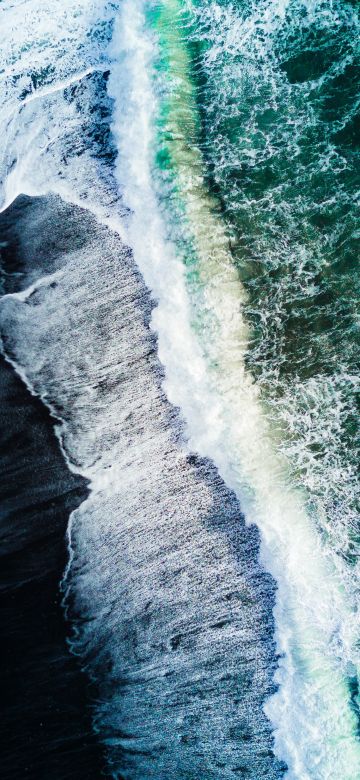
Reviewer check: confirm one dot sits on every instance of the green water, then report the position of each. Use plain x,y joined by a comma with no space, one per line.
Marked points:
255,164
278,91
272,107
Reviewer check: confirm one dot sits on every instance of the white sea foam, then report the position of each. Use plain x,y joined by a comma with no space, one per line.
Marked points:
47,50
317,626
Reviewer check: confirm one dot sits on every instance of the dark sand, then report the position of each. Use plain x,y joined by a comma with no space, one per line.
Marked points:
46,729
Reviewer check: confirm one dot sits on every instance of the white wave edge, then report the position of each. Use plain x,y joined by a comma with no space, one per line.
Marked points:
58,427
314,728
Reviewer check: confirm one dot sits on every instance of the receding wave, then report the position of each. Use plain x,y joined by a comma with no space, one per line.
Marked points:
172,610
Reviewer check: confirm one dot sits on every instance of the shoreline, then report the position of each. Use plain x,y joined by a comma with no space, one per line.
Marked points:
136,601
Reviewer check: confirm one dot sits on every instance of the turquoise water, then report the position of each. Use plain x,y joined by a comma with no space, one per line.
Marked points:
278,90
255,168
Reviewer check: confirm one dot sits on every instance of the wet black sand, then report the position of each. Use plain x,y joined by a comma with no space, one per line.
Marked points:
46,701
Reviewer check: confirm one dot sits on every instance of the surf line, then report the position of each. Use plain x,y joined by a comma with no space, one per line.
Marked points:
182,249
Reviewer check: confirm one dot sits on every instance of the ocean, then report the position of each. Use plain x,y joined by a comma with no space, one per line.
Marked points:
180,289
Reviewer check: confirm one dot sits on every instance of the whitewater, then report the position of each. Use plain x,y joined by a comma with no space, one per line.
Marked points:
139,384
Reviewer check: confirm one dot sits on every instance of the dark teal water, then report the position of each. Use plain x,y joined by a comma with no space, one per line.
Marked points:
278,90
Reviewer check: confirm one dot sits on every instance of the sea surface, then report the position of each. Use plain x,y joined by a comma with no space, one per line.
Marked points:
180,289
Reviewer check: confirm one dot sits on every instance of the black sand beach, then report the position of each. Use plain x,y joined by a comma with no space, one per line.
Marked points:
46,727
